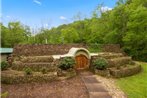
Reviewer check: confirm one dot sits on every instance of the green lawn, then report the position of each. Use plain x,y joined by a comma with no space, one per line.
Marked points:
135,86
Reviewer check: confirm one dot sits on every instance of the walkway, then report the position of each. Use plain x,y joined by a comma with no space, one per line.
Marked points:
94,87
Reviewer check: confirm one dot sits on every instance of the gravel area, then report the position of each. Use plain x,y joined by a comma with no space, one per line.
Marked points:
70,88
112,88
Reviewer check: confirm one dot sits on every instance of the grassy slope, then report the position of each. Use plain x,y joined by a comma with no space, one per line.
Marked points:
135,86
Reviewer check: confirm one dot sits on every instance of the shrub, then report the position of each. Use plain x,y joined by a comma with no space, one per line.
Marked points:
4,65
28,71
44,70
100,63
66,63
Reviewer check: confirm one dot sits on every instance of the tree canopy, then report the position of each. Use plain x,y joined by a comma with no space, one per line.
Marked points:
125,24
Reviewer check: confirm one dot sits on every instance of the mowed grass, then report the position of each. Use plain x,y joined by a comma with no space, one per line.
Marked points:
135,86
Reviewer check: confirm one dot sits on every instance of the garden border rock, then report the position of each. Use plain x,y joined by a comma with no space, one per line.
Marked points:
18,78
126,71
105,72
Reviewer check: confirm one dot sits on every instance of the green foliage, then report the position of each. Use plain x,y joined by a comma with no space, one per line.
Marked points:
125,24
100,63
4,65
28,71
44,70
66,63
69,35
15,33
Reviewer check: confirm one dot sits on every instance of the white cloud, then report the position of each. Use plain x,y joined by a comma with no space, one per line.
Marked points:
105,8
37,2
62,18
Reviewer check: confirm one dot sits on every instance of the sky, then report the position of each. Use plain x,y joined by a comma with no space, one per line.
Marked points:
49,13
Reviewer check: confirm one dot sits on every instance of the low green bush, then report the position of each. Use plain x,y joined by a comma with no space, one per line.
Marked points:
100,63
66,63
4,65
44,70
28,71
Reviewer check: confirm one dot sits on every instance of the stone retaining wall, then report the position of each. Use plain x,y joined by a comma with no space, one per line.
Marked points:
44,49
112,48
17,79
57,49
50,67
124,72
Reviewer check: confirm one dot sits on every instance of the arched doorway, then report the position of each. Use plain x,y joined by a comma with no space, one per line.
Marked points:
82,57
81,62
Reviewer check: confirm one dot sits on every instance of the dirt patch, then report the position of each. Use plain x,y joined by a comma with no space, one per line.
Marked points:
70,88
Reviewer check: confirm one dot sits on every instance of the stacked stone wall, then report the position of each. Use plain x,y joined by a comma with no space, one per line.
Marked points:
44,49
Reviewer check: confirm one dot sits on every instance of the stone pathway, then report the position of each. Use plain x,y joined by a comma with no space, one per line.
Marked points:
111,86
94,87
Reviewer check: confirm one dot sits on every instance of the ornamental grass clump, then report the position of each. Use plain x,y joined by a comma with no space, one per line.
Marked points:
66,63
100,63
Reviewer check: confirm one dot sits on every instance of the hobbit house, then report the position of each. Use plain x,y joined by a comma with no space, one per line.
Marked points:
49,55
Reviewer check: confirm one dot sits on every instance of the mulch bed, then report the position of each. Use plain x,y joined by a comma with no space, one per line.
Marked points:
70,88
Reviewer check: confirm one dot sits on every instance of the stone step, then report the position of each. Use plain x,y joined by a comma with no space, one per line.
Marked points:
119,61
99,95
85,73
89,79
95,87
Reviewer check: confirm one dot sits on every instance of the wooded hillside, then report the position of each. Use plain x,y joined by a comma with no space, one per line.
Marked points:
126,24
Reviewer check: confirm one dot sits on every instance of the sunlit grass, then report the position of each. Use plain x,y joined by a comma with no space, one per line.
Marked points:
135,86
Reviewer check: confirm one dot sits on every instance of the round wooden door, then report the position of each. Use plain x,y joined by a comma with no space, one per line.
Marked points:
81,61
